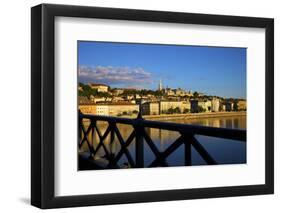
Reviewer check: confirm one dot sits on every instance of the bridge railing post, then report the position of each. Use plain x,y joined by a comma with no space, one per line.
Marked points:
111,144
139,142
80,120
187,149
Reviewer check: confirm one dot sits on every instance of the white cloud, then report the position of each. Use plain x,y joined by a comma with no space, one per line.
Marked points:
114,75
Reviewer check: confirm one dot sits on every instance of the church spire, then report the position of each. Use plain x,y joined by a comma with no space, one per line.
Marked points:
160,85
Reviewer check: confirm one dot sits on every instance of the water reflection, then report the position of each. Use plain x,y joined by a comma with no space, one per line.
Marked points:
224,151
238,122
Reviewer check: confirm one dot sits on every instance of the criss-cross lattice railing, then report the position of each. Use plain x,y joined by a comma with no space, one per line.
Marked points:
140,136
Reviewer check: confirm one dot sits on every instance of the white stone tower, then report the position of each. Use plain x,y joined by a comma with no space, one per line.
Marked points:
160,85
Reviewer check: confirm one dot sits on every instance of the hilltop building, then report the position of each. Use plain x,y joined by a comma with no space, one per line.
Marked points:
118,91
177,92
169,92
99,87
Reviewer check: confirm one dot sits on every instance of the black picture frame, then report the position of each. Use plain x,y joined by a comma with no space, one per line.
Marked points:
43,111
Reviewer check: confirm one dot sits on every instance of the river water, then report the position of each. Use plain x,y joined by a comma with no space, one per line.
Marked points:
224,151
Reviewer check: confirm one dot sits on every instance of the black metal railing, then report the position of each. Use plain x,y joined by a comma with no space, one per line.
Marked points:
139,136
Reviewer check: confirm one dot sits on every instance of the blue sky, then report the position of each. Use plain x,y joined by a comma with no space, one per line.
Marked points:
211,70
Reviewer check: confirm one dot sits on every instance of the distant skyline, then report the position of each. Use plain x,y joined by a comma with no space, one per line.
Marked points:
217,71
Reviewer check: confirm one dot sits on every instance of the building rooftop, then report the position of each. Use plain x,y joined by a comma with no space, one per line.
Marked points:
93,84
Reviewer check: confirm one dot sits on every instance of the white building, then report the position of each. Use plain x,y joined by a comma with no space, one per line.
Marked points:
97,99
114,109
164,106
215,105
99,87
206,105
150,108
118,91
102,109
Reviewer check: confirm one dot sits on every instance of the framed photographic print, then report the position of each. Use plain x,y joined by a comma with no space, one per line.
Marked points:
140,106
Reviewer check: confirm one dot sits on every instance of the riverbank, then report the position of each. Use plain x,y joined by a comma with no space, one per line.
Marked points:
187,116
193,115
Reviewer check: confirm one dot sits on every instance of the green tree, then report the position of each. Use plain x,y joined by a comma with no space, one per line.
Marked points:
104,94
170,111
195,94
201,109
177,110
198,110
186,111
87,91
